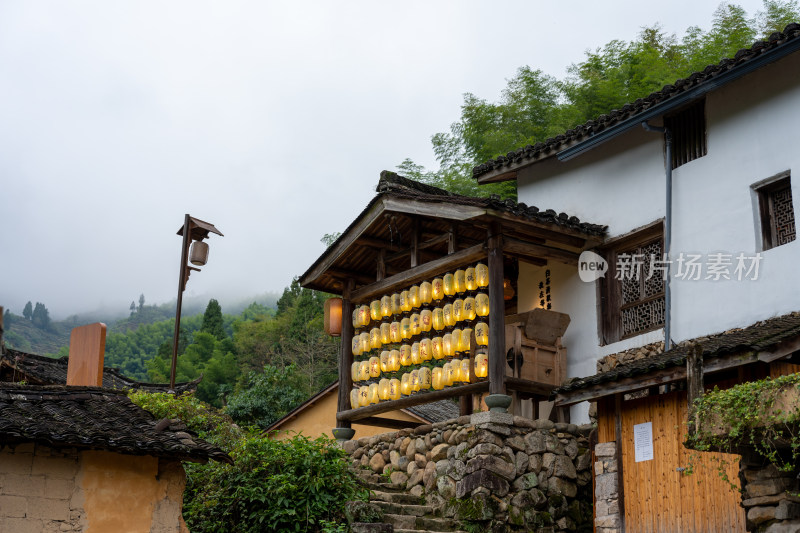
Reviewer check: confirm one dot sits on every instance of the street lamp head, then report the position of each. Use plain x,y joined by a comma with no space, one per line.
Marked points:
199,253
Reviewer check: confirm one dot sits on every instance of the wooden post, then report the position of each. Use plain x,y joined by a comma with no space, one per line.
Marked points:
415,243
451,239
694,383
345,355
497,307
381,265
620,480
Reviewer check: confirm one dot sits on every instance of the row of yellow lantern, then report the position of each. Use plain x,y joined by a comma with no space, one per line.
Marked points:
426,349
436,319
453,372
425,293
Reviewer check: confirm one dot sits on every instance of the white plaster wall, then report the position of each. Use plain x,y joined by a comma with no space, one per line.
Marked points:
751,125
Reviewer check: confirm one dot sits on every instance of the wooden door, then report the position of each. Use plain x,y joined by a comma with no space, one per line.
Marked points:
659,497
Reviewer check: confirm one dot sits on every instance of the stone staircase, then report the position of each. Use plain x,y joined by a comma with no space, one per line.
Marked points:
402,512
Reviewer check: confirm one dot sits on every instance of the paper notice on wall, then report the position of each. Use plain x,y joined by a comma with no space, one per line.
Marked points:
643,441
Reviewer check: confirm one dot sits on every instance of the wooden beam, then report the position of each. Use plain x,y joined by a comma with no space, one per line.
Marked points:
653,379
512,245
420,246
782,349
497,306
345,353
420,273
530,387
433,209
354,415
551,232
388,422
372,242
381,273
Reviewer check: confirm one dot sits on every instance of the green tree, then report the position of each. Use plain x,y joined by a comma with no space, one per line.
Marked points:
212,320
141,302
40,316
27,312
268,396
133,307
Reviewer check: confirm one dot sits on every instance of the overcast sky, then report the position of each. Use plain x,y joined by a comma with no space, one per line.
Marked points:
272,120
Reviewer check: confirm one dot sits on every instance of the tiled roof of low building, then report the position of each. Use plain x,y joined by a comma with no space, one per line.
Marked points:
94,418
756,337
707,76
402,187
438,411
42,370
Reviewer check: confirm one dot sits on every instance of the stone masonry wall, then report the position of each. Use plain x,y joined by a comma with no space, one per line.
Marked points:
37,490
769,497
496,470
606,489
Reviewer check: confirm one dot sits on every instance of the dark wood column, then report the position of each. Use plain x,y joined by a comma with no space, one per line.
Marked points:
345,355
497,326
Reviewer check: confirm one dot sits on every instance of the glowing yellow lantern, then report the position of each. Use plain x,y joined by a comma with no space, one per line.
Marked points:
415,360
394,360
424,350
424,378
470,281
414,380
405,355
374,366
405,328
438,319
413,295
405,301
437,289
482,333
394,332
355,371
448,315
482,304
466,339
426,320
447,374
459,279
481,365
394,389
405,384
456,342
416,325
356,323
449,284
354,399
397,308
375,310
465,370
482,275
458,309
437,350
356,345
364,338
363,371
455,368
363,316
425,293
447,345
437,380
386,306
469,308
385,336
383,389
363,396
385,361
373,393
375,339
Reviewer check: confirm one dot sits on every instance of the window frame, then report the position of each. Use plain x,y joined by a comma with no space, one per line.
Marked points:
689,130
765,192
610,299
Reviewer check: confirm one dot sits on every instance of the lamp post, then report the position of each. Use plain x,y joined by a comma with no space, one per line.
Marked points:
193,232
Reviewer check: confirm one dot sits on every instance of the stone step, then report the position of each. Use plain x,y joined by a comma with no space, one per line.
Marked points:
394,497
419,523
403,508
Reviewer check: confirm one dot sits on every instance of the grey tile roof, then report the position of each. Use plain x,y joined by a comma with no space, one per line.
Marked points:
438,411
37,369
395,185
756,337
94,418
707,77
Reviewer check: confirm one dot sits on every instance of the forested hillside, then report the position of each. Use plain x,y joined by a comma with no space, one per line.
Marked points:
536,106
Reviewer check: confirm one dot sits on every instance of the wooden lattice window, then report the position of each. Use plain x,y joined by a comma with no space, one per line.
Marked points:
777,213
632,293
688,127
